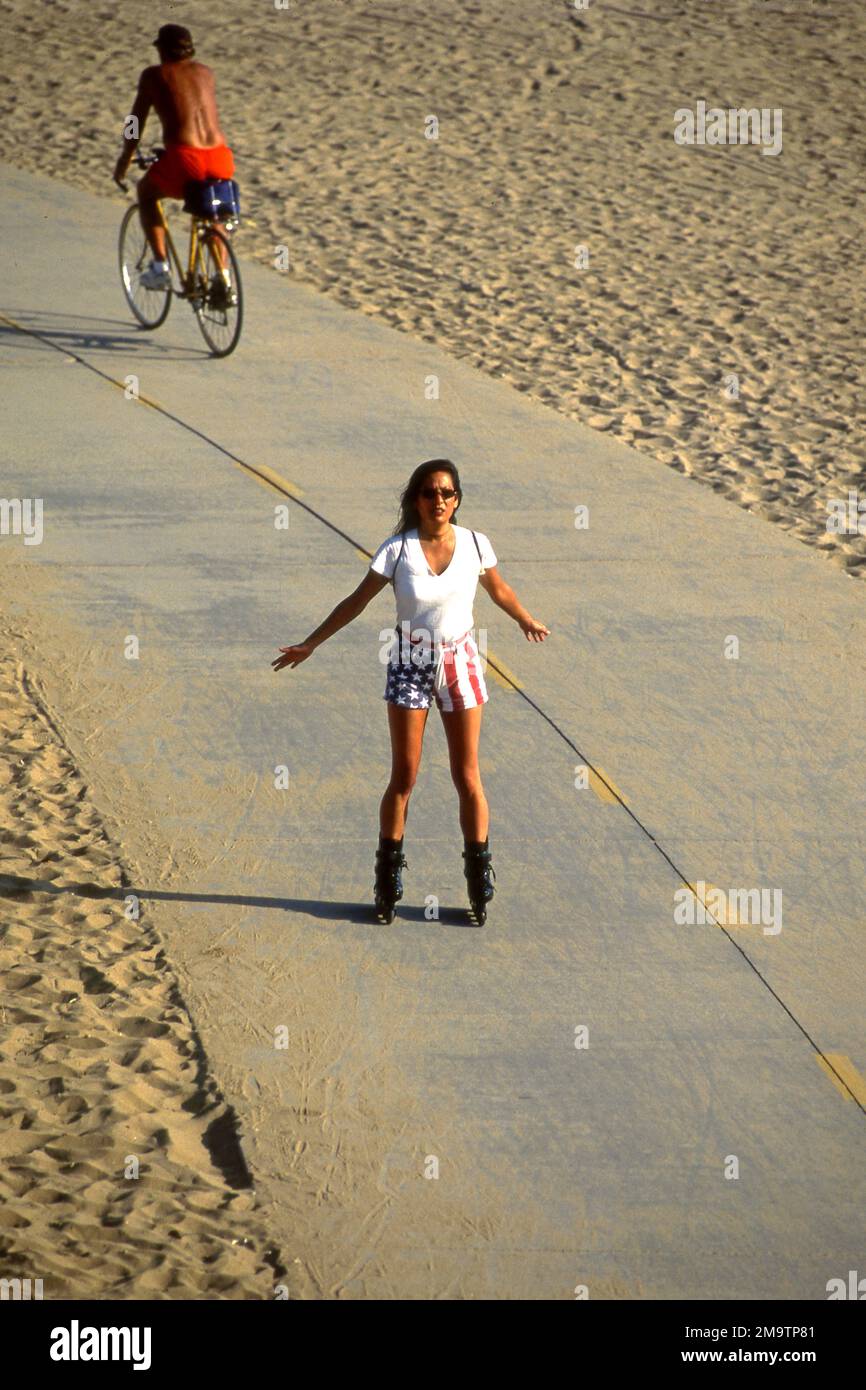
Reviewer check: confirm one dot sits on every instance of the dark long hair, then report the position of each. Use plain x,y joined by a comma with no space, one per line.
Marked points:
408,516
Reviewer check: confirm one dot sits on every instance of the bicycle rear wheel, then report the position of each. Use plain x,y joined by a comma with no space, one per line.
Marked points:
218,304
149,306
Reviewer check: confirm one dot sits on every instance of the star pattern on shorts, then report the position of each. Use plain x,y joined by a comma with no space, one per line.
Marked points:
409,686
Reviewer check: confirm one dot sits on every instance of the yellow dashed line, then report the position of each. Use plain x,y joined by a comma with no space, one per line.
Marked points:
262,482
606,790
138,396
855,1085
269,478
503,677
722,911
719,911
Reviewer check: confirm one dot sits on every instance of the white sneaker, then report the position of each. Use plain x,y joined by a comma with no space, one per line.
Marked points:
156,277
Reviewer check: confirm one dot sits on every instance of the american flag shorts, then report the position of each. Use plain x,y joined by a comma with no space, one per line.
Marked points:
450,673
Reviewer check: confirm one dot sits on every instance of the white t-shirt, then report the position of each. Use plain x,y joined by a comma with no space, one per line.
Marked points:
438,607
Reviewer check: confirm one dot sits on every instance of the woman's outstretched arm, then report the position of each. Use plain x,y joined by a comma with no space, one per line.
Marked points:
346,610
505,598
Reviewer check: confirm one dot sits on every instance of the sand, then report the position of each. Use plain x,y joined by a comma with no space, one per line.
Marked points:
100,1063
555,131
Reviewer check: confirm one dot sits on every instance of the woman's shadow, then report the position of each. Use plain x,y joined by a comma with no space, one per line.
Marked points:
17,886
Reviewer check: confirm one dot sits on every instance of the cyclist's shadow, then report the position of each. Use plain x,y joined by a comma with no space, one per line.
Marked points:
86,333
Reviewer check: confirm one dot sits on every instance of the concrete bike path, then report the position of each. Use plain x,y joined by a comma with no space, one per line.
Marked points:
558,1165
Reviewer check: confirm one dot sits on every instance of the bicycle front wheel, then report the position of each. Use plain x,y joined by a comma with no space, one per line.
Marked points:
219,300
149,306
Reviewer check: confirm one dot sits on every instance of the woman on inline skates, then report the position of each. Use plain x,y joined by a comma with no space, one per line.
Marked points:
435,567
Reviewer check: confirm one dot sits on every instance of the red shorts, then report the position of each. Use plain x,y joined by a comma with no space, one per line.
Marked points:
172,171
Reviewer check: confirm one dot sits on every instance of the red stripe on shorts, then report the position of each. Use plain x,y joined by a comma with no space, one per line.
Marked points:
472,672
454,694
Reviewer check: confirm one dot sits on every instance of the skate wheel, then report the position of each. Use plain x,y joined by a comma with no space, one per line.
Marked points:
384,911
480,912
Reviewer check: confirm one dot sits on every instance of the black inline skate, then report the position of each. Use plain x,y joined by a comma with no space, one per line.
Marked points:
478,870
388,889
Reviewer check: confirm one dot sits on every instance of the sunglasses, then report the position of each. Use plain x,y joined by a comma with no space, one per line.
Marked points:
431,492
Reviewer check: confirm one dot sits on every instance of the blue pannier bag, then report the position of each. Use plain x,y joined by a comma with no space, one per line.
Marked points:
217,199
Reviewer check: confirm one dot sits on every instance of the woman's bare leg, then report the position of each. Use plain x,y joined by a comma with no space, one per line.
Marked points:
463,730
407,736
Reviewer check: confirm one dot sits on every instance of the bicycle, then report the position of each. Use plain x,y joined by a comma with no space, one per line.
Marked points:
216,302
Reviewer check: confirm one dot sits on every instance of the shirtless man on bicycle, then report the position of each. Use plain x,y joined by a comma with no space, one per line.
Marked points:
182,92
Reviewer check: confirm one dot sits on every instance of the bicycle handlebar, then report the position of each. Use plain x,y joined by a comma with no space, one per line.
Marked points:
143,161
